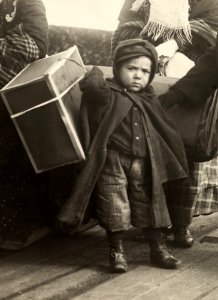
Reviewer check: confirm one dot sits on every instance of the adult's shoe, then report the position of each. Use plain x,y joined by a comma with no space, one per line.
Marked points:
183,237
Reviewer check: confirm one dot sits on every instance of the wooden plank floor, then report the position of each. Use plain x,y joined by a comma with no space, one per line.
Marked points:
61,267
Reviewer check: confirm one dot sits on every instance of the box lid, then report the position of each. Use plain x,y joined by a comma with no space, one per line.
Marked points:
38,69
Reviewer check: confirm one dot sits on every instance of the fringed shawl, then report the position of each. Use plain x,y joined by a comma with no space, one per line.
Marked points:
167,19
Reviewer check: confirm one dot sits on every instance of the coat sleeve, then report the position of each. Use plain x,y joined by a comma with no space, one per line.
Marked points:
95,88
94,103
198,84
126,14
202,79
206,10
33,18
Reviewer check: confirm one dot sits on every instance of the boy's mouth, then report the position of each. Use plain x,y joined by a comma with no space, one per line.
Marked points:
136,84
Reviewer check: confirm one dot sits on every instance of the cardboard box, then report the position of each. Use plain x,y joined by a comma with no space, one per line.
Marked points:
43,101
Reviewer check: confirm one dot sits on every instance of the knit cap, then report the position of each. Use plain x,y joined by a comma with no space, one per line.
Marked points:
133,48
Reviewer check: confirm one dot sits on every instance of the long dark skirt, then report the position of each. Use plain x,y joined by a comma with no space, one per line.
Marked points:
24,201
195,196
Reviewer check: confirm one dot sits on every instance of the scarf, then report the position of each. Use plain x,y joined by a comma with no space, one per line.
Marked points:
167,19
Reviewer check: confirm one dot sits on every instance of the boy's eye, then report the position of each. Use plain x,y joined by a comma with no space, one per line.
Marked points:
146,71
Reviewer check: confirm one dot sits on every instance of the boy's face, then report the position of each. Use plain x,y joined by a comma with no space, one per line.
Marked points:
135,73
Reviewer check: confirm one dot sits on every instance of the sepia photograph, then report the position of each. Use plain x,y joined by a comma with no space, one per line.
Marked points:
108,149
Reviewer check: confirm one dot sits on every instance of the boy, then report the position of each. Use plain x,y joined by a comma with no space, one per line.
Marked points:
134,149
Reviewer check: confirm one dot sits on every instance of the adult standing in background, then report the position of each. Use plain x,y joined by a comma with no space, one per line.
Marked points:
181,30
23,39
199,83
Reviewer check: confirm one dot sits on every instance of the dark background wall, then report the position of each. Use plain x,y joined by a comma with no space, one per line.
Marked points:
93,45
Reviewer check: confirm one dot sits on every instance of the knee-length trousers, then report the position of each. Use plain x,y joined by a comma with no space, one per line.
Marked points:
123,192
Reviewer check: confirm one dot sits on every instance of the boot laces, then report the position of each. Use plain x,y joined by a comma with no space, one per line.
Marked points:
117,254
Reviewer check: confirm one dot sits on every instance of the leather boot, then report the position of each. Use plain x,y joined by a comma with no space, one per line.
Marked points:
117,256
169,236
159,253
183,237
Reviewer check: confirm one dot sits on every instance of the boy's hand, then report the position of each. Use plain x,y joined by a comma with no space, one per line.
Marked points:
94,87
90,78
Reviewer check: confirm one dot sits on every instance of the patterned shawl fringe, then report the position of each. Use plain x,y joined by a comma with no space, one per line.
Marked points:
157,31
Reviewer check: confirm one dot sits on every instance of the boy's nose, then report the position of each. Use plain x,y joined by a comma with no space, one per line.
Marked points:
137,75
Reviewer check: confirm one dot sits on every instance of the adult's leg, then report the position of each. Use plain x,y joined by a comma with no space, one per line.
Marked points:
181,202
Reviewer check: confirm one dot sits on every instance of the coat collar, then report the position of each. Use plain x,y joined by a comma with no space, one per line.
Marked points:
114,85
147,92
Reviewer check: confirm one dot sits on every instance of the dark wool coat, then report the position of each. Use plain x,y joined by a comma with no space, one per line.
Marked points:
104,106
